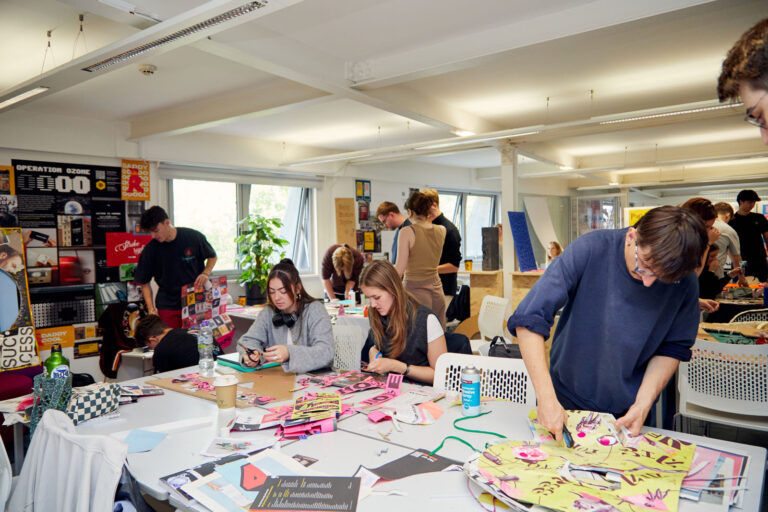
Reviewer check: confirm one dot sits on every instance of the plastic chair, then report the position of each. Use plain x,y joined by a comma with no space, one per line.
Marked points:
501,377
753,315
490,322
725,383
68,471
348,341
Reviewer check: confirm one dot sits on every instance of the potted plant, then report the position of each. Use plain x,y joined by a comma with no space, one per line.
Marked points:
258,248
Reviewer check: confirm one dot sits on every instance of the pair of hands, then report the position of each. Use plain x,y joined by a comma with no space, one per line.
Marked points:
552,416
382,365
273,354
708,305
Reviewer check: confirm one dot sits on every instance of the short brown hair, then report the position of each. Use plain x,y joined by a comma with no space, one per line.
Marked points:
343,260
386,208
149,326
432,195
701,207
721,208
676,238
746,61
419,203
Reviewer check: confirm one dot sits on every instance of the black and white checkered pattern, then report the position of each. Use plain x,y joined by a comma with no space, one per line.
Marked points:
93,401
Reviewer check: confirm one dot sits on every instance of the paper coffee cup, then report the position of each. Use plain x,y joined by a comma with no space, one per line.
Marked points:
226,391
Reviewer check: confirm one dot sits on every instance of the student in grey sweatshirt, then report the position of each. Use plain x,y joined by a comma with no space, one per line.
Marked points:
293,330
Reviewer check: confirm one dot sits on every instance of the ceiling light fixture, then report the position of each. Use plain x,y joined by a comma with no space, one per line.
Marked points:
120,5
474,140
339,158
463,133
23,96
179,34
670,114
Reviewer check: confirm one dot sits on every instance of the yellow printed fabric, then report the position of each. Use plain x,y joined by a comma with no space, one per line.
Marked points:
597,473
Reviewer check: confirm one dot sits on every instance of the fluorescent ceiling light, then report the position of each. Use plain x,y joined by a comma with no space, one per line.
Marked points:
327,160
170,38
566,167
670,114
474,140
23,96
463,133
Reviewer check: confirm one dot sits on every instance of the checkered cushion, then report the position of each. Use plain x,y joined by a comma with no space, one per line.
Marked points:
92,401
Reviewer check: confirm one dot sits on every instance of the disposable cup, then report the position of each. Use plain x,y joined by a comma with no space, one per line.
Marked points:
226,391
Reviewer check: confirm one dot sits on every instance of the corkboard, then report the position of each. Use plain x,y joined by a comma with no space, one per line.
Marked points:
271,382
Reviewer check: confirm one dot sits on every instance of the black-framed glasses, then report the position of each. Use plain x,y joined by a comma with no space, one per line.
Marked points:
755,121
641,271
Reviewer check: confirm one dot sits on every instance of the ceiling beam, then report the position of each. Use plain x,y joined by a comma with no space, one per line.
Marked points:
468,49
279,96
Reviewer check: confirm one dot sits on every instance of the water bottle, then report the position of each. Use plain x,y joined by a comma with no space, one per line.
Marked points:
56,366
205,347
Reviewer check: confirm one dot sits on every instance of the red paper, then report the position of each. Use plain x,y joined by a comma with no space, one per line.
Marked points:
125,248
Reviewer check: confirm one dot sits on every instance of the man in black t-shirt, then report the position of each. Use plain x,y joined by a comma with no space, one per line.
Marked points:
174,348
175,257
451,256
752,229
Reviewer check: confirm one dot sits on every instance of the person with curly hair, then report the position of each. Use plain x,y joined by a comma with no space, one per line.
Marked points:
745,76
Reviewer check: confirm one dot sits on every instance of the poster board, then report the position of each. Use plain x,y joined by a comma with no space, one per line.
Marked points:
18,345
272,382
345,221
634,214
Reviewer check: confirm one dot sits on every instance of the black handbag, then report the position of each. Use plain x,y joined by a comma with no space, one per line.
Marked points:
503,348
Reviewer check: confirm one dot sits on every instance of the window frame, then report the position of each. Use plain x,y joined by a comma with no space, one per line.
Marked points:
243,182
460,218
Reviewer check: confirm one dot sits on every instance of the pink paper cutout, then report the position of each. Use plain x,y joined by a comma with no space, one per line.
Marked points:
379,416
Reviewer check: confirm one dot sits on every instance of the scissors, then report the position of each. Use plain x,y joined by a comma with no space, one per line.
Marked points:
567,437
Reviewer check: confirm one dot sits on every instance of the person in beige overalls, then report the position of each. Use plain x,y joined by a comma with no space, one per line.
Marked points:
418,254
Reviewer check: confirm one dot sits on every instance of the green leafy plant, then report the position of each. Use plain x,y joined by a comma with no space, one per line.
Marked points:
258,248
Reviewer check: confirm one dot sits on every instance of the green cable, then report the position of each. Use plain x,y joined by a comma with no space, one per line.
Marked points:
466,430
476,431
452,437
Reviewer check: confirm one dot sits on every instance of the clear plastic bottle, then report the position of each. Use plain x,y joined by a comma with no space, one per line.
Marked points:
205,348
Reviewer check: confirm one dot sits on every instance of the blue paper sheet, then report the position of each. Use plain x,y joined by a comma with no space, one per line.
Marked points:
143,440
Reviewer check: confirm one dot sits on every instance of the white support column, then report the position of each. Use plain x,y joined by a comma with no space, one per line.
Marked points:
509,202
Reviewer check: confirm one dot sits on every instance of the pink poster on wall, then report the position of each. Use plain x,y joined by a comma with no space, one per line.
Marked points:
125,248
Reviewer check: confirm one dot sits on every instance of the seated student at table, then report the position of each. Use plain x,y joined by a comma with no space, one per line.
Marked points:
630,315
293,330
405,336
174,348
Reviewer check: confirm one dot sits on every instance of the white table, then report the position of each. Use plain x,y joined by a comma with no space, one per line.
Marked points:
191,422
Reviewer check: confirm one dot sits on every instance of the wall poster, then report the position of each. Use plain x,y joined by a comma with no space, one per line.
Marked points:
18,347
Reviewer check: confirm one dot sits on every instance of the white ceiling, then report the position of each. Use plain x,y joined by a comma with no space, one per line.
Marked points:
365,75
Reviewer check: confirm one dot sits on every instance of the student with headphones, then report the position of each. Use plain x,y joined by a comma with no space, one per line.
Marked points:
293,330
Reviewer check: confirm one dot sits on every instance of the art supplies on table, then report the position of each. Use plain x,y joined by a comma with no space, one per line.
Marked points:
252,423
222,446
233,361
175,481
415,463
138,390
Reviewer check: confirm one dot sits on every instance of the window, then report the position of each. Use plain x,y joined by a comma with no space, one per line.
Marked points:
215,207
211,208
470,213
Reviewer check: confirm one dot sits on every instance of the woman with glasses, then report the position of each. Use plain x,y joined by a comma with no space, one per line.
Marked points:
293,330
630,315
745,76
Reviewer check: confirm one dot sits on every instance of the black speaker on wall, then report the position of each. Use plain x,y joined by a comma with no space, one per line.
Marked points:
491,248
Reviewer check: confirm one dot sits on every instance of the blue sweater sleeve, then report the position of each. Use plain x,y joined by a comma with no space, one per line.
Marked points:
682,334
550,293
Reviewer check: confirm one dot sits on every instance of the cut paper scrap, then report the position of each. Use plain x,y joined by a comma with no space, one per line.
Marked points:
375,401
308,429
537,473
434,409
139,440
378,416
314,404
587,428
394,381
358,386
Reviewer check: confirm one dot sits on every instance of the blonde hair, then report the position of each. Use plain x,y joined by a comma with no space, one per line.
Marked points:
432,194
381,274
343,261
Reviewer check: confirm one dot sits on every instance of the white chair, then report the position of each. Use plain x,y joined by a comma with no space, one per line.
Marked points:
490,322
500,377
6,478
68,471
725,383
348,341
753,315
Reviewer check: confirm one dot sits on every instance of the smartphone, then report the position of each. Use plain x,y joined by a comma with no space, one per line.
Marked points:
36,235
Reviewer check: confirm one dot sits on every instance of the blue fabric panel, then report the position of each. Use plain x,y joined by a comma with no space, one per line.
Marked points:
522,240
